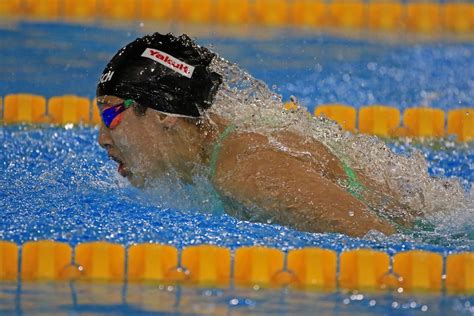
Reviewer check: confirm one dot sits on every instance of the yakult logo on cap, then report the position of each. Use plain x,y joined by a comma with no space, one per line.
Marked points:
169,61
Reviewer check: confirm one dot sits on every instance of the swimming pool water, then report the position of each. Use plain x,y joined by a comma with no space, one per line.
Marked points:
314,67
133,299
57,183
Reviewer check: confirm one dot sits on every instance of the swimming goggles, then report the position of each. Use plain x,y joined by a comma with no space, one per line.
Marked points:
112,114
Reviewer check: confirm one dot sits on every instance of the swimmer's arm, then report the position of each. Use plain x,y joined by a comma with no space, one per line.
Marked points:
291,191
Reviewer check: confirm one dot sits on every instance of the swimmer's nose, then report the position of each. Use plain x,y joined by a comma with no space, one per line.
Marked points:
105,141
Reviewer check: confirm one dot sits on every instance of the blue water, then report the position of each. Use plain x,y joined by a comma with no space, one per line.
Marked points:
117,299
316,68
57,183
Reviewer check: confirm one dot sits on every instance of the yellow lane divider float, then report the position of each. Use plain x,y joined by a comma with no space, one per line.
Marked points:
460,272
423,16
8,261
343,114
69,109
151,262
45,260
420,270
232,12
313,267
378,120
461,123
347,14
424,122
101,261
79,10
386,15
24,108
414,16
209,265
363,269
257,265
313,13
41,10
459,16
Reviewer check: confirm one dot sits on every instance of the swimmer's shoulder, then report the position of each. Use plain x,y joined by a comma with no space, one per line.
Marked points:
278,147
237,150
241,143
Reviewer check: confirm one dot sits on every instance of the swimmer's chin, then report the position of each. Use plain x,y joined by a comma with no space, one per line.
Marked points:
135,177
139,181
142,182
135,180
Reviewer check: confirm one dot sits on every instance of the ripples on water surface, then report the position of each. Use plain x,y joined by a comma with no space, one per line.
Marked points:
114,299
59,184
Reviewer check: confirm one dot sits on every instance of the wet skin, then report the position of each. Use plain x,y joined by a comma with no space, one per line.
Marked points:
295,182
145,146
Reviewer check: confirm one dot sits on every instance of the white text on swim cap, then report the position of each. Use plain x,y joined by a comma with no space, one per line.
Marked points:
106,77
169,61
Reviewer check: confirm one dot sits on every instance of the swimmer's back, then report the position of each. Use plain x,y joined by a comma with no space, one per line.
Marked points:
294,180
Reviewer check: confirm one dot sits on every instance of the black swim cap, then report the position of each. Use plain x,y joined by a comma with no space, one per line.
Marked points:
167,73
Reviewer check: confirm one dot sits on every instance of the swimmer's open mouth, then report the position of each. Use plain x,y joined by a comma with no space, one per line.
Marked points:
121,169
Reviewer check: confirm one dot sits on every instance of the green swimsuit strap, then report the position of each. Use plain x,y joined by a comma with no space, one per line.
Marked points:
217,148
354,187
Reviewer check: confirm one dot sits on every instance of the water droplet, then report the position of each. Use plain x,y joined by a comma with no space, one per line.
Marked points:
372,66
72,272
234,302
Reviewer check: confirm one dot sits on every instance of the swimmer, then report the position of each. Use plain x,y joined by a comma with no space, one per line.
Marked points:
161,99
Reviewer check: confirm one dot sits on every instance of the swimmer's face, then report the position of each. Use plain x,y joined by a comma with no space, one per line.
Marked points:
145,146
